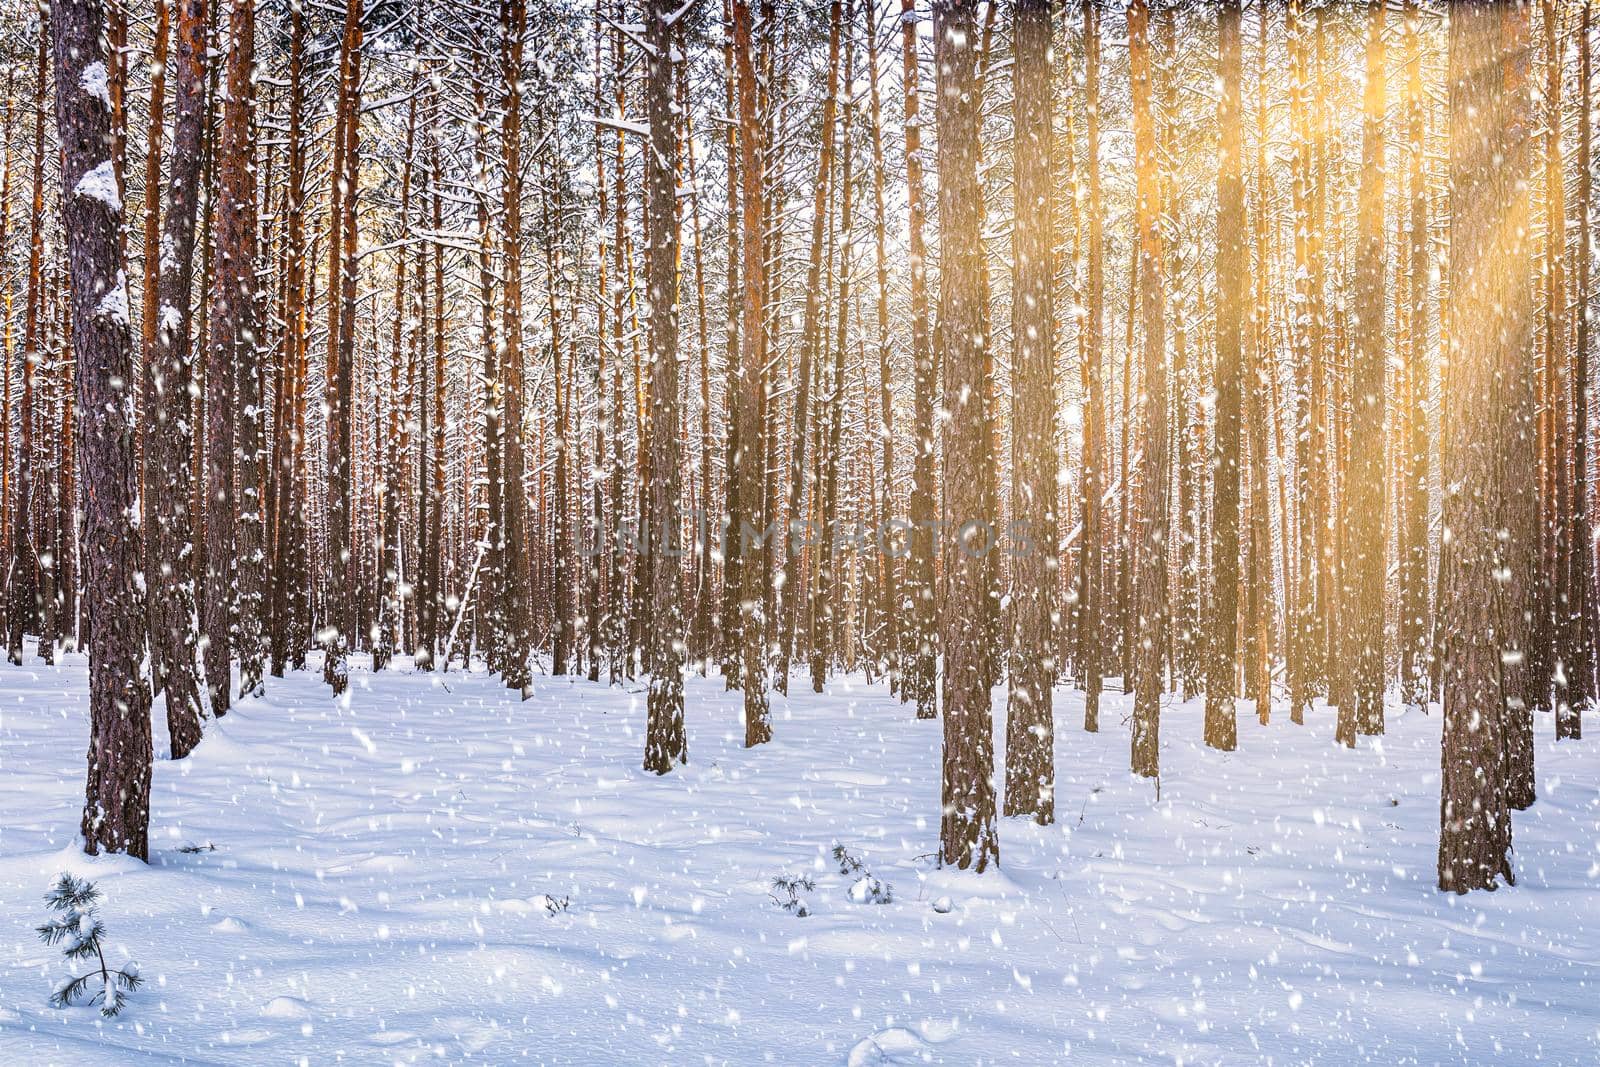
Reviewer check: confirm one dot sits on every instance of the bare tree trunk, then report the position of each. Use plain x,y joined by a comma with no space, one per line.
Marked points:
1413,624
515,586
1577,657
665,743
1221,729
23,584
1363,556
1152,608
967,831
1091,586
750,458
116,814
1030,723
1489,148
235,352
921,673
340,621
813,329
173,637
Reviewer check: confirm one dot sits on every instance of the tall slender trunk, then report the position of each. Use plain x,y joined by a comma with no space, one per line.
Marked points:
1221,730
665,743
173,636
921,672
1091,595
23,583
812,331
116,814
1363,555
515,587
1151,596
749,457
1030,723
1488,327
1577,656
967,828
238,541
1413,609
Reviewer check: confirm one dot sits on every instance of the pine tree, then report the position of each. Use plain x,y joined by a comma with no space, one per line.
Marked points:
1030,724
1362,617
80,933
1151,598
1488,323
967,830
665,743
1221,730
116,814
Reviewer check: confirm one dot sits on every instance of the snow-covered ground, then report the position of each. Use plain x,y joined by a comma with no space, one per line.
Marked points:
435,871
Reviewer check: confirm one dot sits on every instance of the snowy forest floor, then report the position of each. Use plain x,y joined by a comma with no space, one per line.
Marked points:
388,876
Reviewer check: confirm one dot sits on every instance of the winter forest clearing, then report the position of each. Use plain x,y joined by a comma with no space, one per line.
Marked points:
433,870
812,530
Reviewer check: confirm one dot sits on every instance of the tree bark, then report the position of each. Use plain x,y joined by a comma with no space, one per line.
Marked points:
1363,556
665,743
1030,723
116,814
1221,730
1151,593
1488,324
967,829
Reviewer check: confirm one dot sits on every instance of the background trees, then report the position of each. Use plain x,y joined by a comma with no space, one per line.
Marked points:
685,340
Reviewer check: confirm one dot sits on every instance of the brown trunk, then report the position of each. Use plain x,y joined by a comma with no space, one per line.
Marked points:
515,587
116,814
665,743
173,636
1489,149
967,831
1221,730
1363,555
23,583
1030,723
921,672
1151,594
749,458
1091,596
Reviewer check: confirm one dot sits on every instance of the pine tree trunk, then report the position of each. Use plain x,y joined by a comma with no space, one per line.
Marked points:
1577,656
1221,730
339,612
811,340
116,813
1487,318
23,585
1030,724
1413,611
1151,593
235,351
173,637
516,578
1091,604
1364,555
921,680
665,743
750,456
967,830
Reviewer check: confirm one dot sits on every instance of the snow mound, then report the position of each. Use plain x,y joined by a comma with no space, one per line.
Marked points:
894,1045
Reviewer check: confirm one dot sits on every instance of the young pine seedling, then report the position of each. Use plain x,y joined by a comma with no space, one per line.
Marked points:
77,929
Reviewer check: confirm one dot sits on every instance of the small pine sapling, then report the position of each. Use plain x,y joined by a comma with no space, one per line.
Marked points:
787,893
865,889
77,928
